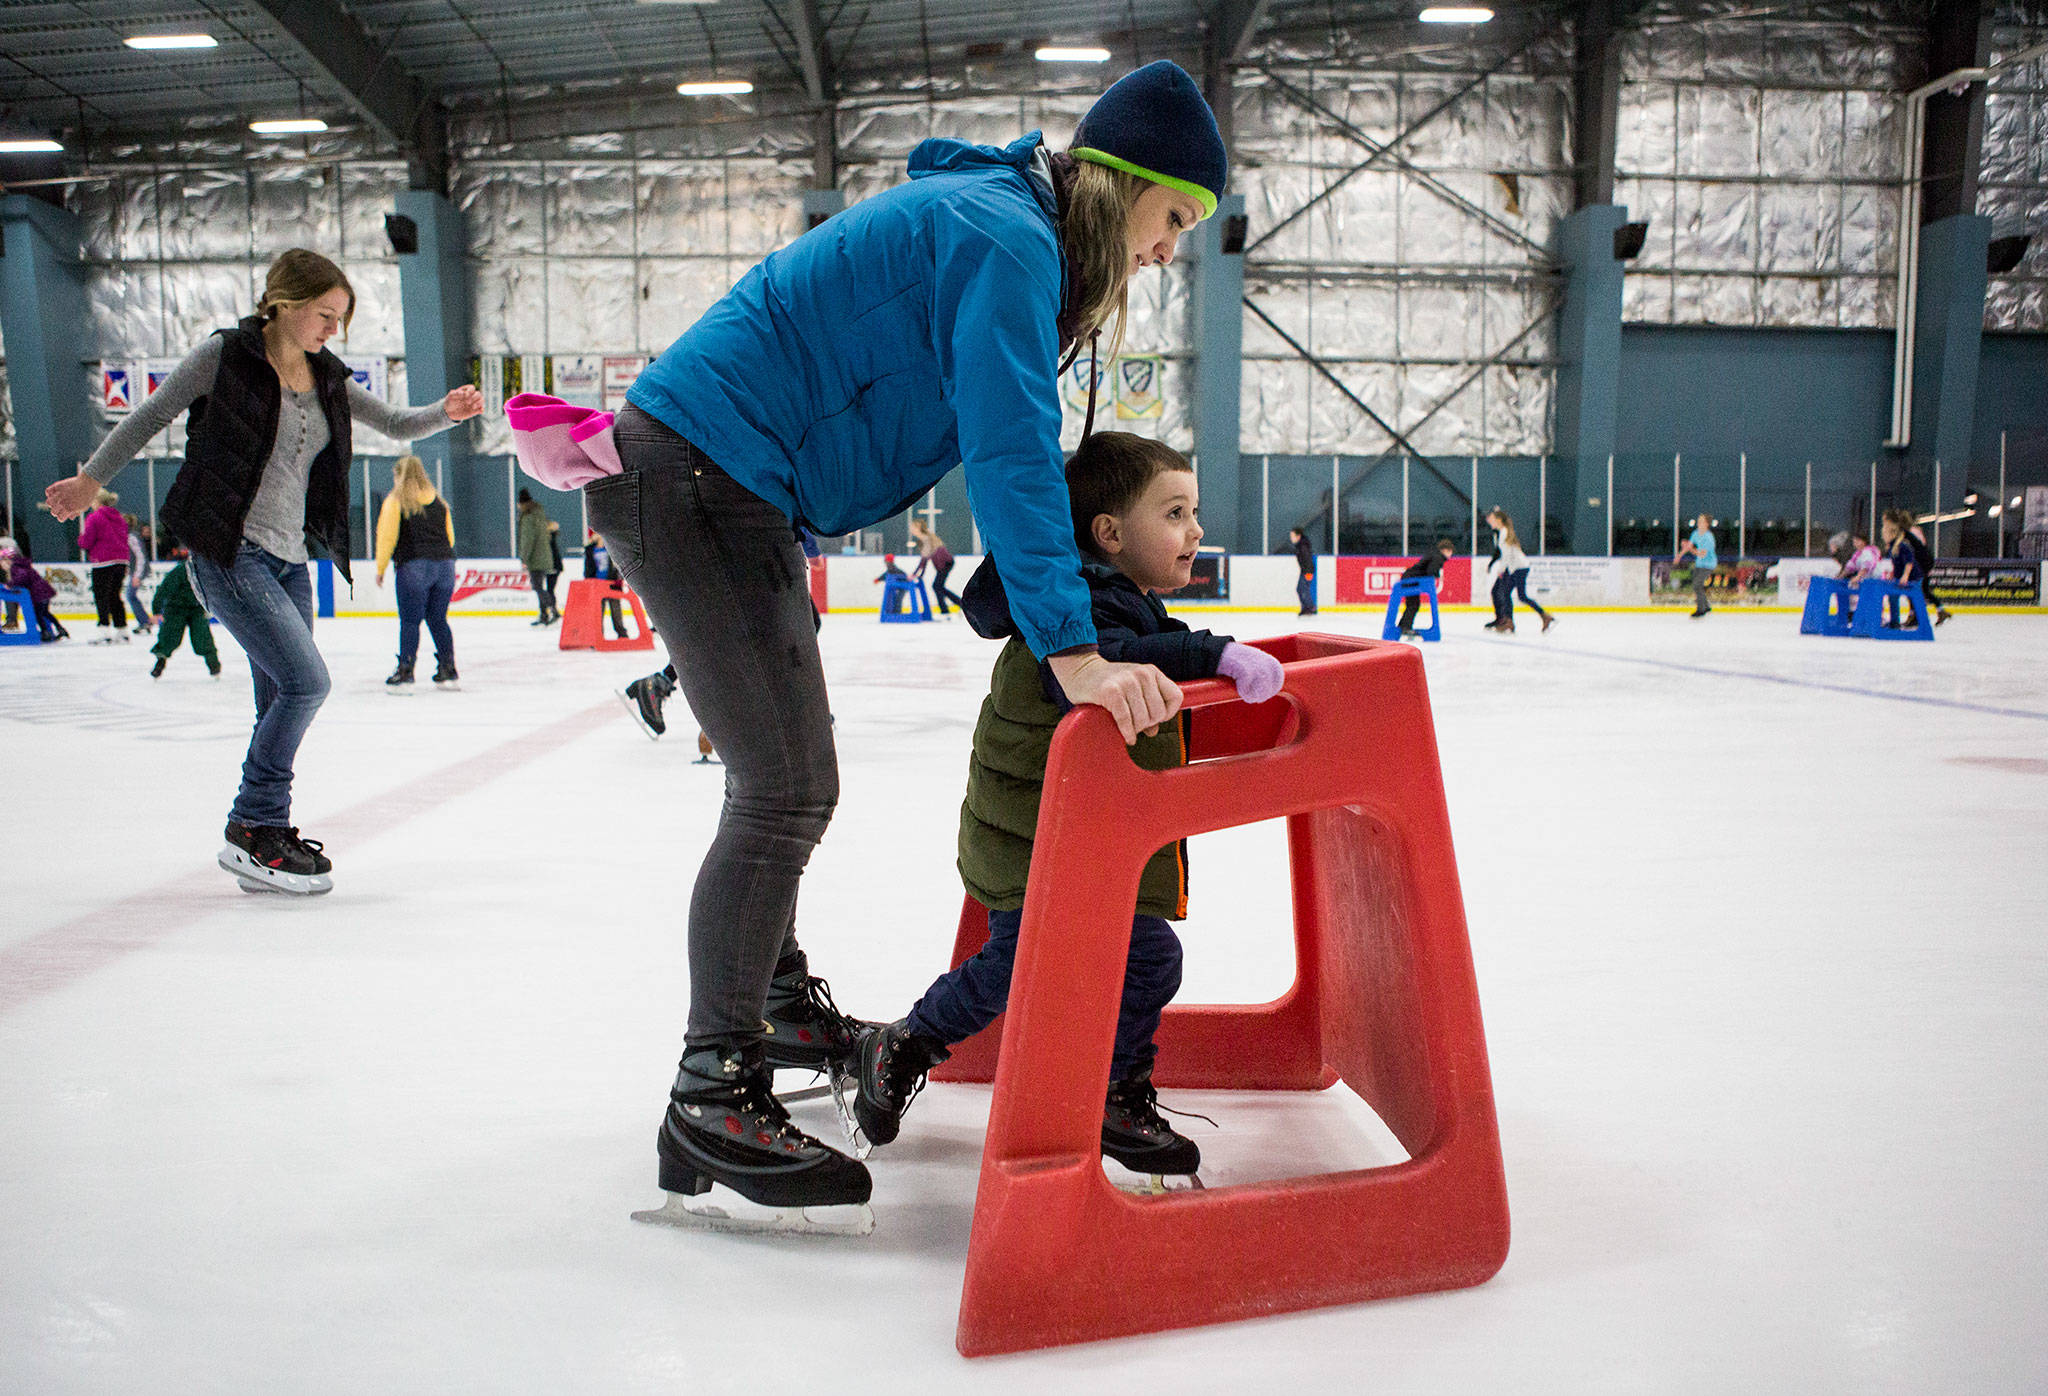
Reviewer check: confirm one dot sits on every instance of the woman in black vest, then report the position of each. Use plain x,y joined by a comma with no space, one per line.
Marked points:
414,530
266,473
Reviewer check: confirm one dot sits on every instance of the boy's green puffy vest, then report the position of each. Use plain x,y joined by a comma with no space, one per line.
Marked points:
1006,778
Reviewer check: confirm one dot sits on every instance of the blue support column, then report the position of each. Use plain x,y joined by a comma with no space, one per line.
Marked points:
1589,371
1948,339
1227,498
433,284
43,312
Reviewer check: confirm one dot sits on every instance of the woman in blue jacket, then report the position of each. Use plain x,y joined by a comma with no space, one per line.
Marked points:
833,386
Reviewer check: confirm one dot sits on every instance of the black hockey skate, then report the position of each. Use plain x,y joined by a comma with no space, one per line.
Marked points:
644,698
446,680
725,1128
272,858
1135,1136
803,1030
893,1064
401,679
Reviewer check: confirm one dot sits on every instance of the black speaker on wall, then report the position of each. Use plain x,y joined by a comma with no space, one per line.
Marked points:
1628,240
403,232
1231,236
2006,253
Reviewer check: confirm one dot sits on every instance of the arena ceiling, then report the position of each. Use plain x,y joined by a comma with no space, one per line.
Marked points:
67,73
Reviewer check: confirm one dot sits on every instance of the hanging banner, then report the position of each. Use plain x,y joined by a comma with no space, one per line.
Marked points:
578,378
372,372
621,371
1140,379
1074,382
155,372
117,389
487,371
528,374
1986,583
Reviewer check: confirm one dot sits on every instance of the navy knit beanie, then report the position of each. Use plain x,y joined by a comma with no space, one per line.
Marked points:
1155,124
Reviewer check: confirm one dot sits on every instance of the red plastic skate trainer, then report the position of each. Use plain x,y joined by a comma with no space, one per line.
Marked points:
1384,1000
582,626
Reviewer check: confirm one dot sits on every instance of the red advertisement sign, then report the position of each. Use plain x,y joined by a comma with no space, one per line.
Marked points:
1364,580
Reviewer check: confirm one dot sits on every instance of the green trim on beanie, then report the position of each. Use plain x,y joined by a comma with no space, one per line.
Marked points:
1194,191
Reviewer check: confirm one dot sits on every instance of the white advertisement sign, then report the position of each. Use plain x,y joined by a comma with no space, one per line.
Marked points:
621,371
1584,581
372,371
579,378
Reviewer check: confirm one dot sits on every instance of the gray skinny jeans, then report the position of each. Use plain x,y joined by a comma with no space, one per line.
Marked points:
724,581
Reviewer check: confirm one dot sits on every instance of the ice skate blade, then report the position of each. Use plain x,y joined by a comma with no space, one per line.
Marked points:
259,879
840,1090
1155,1184
722,1209
633,711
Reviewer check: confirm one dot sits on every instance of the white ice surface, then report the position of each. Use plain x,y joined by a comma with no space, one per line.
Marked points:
1757,921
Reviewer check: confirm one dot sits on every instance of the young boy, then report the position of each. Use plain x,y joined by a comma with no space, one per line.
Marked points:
1134,504
181,612
1430,564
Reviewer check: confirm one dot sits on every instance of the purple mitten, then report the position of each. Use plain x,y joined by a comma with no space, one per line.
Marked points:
1258,675
561,445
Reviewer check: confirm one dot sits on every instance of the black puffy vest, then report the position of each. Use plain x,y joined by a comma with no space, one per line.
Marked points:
228,441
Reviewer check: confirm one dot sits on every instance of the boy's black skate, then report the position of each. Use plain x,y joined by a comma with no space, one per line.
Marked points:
1135,1136
401,678
725,1127
803,1030
213,667
446,680
156,670
893,1064
271,858
644,698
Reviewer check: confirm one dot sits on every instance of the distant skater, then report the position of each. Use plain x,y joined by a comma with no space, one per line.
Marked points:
1513,579
265,474
1700,548
415,532
935,554
1304,558
1430,565
138,572
104,540
183,616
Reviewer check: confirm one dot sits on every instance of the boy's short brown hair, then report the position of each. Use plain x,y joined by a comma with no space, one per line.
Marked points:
1107,474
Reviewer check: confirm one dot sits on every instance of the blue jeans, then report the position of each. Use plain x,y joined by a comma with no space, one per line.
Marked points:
1305,592
963,1001
424,586
1519,581
267,605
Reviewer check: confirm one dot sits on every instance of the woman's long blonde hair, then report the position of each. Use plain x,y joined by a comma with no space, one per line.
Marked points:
299,276
410,485
1506,527
1095,234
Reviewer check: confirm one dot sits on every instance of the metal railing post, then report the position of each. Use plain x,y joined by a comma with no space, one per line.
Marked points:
1610,504
150,467
1265,505
1542,505
1872,535
1675,457
1404,504
1336,506
511,508
1934,543
1475,506
2001,494
1806,539
1741,505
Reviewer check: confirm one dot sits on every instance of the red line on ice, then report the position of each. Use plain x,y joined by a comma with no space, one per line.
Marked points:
50,960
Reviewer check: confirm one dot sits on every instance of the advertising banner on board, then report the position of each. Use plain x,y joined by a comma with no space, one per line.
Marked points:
1986,583
1743,583
1365,581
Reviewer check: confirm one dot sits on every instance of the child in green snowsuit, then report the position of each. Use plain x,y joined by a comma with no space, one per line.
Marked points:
181,611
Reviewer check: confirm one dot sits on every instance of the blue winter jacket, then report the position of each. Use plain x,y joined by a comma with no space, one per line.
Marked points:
847,373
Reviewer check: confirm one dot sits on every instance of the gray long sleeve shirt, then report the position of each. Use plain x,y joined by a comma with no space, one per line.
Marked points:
277,516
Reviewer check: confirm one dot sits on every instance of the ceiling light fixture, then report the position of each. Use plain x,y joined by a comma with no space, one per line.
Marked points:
171,41
1455,14
732,87
1052,53
292,126
30,147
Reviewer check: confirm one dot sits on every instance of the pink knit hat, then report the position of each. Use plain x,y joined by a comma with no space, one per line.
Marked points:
563,446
